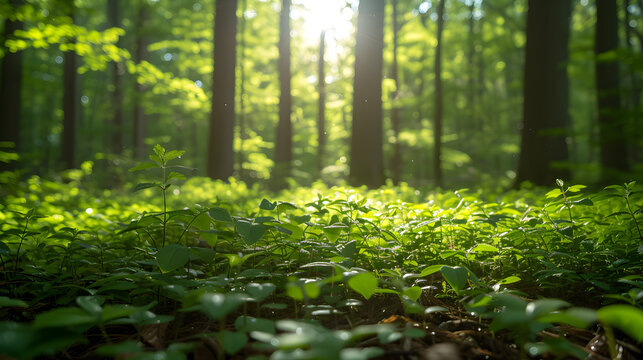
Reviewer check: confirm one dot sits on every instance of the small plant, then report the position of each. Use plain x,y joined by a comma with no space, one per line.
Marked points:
626,191
160,158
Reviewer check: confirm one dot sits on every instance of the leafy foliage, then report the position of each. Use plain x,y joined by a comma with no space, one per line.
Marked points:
281,273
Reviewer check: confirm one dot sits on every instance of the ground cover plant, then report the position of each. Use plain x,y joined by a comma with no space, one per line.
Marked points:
176,268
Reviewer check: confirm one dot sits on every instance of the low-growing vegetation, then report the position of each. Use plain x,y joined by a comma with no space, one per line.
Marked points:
209,270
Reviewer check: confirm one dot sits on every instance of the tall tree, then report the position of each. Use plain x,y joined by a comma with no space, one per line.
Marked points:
321,103
613,142
545,114
396,159
283,145
10,87
437,118
70,101
113,15
366,163
242,89
140,54
220,145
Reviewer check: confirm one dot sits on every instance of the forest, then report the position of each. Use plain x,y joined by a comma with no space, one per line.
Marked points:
321,179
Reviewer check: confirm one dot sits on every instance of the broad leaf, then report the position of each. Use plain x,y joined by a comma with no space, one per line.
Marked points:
172,257
628,319
364,284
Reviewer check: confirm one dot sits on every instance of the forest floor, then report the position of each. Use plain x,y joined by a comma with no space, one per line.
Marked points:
210,270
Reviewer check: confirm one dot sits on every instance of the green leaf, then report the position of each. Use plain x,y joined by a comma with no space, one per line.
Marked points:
456,276
175,175
300,219
111,312
7,302
172,257
250,232
628,319
220,214
544,306
4,248
364,284
159,150
430,270
576,188
577,317
91,304
173,154
508,280
413,292
217,306
143,186
267,205
584,201
333,232
484,247
260,291
233,341
62,317
144,166
554,193
234,259
249,323
432,309
283,206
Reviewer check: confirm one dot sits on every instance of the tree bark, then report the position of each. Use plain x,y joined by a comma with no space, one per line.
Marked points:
140,54
437,125
220,145
543,150
242,90
10,90
613,142
366,163
396,159
283,145
113,14
69,105
321,104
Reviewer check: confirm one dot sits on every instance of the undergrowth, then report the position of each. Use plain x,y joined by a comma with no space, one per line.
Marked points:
171,268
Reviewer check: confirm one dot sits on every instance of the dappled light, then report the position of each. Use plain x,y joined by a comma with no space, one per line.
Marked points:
321,179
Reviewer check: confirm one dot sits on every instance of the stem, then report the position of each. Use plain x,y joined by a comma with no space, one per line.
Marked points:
187,227
164,204
569,209
611,342
22,238
629,208
221,351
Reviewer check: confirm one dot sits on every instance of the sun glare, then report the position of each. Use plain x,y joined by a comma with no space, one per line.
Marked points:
332,16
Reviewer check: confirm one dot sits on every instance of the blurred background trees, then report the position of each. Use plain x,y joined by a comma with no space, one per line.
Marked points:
525,90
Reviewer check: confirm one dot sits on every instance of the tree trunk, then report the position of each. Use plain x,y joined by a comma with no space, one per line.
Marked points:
321,105
140,54
437,125
613,142
366,163
69,106
116,93
543,150
242,90
634,100
283,145
220,145
396,159
10,91
471,75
